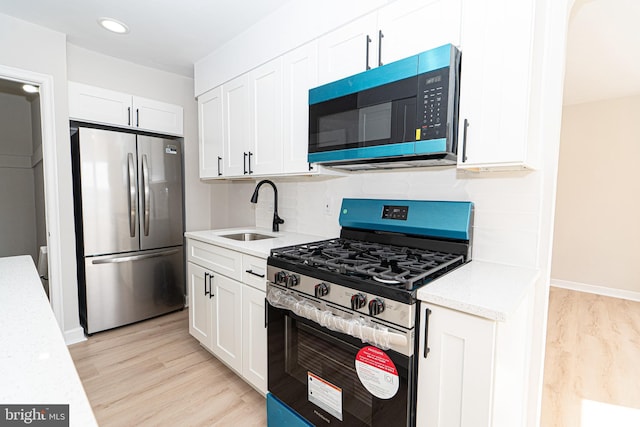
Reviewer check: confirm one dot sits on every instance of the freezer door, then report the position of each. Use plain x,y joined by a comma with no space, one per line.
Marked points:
108,175
160,192
126,288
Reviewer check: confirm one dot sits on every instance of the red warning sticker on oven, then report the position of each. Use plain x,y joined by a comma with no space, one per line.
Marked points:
377,372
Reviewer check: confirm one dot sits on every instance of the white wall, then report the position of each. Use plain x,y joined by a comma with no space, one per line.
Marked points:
35,49
85,66
597,228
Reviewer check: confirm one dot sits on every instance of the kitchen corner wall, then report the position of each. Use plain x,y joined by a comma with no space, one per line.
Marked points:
35,49
85,66
506,205
597,228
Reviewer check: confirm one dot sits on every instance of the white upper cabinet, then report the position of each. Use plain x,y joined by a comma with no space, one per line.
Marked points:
407,27
300,73
396,31
265,144
496,45
157,116
236,116
210,133
347,50
98,105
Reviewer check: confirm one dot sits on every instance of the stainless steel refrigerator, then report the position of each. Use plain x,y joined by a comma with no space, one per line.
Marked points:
129,227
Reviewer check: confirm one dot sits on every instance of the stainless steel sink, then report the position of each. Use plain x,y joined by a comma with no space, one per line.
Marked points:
245,237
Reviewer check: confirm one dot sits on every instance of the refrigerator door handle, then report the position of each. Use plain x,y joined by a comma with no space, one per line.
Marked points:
145,189
117,259
132,195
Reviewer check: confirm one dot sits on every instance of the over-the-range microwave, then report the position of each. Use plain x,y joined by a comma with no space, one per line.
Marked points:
401,114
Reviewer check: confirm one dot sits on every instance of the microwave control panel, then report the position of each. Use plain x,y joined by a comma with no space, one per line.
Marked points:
433,98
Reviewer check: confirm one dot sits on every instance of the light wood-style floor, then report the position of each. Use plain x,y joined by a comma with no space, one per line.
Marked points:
154,373
592,364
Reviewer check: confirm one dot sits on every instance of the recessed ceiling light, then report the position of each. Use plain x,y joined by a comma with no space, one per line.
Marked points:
30,88
113,25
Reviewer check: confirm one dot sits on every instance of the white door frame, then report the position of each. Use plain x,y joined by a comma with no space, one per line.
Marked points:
50,173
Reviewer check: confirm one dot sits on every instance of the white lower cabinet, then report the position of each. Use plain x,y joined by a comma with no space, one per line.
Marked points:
226,320
474,372
227,308
254,338
199,303
454,380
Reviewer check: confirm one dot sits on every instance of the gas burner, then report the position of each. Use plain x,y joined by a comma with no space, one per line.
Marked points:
383,264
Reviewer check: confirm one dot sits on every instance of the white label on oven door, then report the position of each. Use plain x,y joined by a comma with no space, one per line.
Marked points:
325,395
377,372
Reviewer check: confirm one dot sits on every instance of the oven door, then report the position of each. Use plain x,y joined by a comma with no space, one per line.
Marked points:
326,376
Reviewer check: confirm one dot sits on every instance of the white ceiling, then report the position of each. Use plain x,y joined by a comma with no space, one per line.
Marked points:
165,34
603,52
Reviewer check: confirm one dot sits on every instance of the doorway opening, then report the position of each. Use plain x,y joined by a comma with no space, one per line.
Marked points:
22,215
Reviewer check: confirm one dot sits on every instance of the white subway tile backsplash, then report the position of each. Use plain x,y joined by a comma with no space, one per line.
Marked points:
506,205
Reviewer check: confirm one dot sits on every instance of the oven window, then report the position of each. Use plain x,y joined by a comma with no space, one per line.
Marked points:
299,349
332,364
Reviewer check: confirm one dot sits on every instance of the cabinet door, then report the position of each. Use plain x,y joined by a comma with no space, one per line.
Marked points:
348,50
300,72
210,133
227,321
157,116
265,89
199,288
236,116
412,26
455,379
94,104
254,338
494,92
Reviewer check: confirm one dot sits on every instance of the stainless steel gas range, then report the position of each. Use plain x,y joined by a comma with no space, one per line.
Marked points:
342,313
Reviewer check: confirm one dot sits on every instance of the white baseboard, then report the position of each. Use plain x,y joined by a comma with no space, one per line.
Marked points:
73,336
593,289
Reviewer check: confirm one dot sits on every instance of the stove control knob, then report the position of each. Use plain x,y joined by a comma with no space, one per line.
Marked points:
358,301
321,290
292,280
281,277
376,306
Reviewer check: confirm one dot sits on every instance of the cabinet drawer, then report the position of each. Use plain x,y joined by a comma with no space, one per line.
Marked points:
254,272
220,260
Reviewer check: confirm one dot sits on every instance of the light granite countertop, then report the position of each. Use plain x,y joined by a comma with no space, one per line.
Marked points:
35,365
259,248
485,289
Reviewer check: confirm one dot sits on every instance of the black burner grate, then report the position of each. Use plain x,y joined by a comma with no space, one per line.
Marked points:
389,265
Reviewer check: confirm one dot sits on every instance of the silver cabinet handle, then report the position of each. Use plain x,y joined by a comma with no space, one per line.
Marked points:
145,186
132,195
367,67
117,259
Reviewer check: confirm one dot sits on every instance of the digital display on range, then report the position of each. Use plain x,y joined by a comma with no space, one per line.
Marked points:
395,212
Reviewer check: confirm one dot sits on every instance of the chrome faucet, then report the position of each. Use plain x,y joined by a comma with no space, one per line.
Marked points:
254,199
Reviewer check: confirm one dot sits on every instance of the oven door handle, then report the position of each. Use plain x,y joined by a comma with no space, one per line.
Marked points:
372,333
